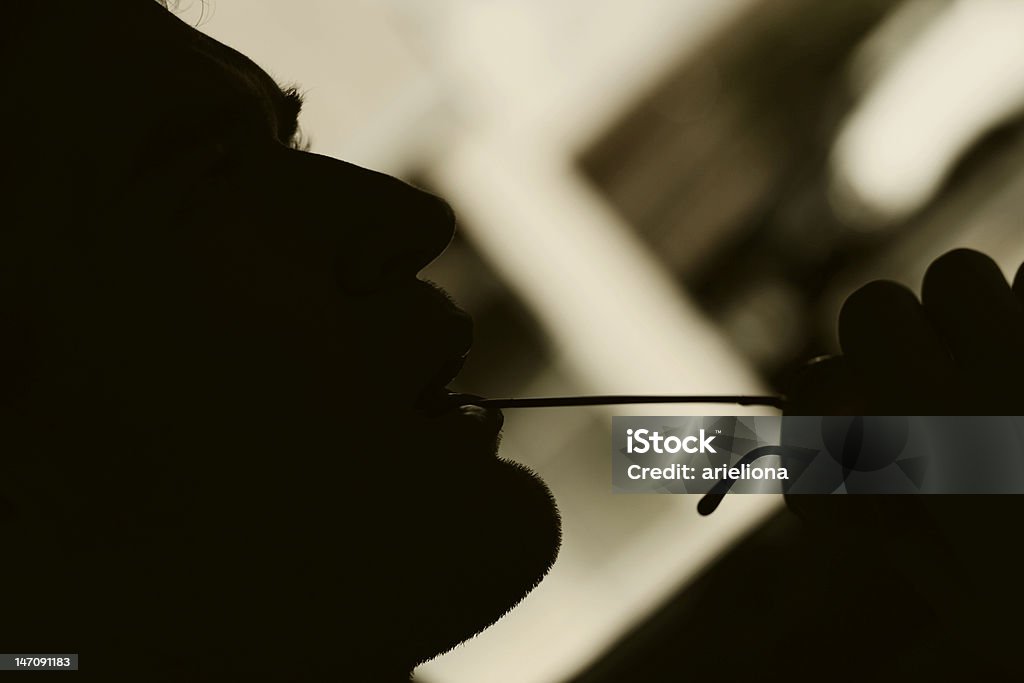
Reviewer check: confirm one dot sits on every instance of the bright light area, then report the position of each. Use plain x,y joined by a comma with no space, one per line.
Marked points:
963,74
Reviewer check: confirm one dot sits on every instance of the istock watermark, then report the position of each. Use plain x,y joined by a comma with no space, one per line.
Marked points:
647,440
818,455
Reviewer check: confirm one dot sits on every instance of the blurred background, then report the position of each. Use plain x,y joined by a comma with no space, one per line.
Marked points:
665,196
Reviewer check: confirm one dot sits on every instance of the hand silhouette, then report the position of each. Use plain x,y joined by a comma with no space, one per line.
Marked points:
959,350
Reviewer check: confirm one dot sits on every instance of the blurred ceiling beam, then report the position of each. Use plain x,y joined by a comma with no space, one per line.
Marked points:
957,79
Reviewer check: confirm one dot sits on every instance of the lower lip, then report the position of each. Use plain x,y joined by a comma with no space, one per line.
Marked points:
487,417
475,427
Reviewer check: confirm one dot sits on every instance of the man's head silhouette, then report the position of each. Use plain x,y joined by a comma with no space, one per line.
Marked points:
226,447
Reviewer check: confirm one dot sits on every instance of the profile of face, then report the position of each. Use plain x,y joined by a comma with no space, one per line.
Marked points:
223,407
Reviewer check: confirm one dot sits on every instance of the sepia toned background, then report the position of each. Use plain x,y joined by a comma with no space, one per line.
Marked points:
664,196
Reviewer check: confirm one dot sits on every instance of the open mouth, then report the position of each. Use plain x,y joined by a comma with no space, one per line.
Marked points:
435,398
454,330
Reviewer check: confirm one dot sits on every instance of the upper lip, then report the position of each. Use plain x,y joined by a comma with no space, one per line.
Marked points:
447,371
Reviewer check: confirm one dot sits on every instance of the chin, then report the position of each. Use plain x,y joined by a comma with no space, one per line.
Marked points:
482,564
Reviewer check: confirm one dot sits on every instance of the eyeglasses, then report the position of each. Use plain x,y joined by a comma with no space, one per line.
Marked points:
713,498
567,401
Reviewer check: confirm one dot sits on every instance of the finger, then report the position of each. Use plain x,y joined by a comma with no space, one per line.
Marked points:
982,323
825,386
1018,284
895,351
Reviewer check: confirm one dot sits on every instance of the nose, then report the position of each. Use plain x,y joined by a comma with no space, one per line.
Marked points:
391,230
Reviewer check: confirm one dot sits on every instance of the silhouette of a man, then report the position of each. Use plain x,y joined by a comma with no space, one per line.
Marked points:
227,449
